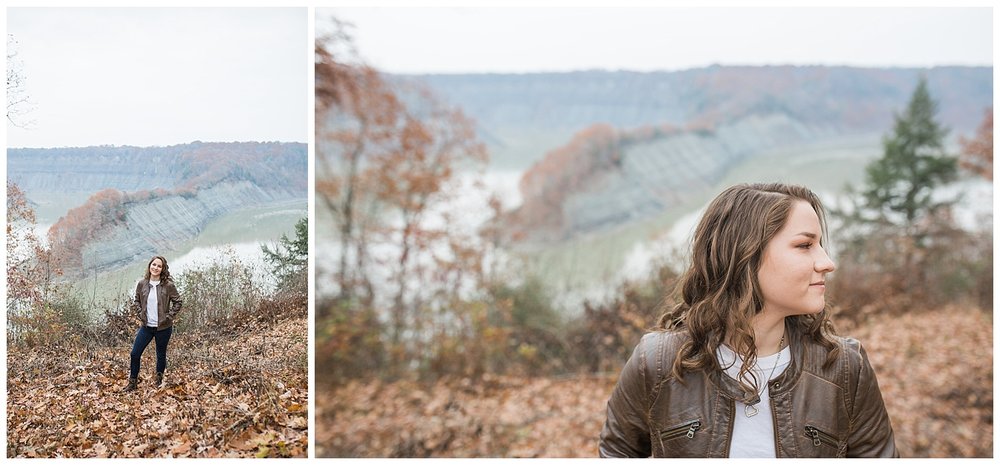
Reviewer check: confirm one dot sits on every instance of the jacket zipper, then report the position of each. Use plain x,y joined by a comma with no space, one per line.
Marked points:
819,437
774,427
732,422
687,429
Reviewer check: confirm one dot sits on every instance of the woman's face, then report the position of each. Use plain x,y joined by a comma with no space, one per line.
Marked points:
155,267
792,275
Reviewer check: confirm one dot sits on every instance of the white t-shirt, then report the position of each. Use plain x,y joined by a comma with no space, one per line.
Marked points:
152,316
754,436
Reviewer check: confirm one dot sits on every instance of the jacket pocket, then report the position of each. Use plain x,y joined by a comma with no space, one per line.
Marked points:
819,437
687,429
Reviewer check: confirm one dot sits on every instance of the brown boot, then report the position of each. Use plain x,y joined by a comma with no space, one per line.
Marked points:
132,385
159,379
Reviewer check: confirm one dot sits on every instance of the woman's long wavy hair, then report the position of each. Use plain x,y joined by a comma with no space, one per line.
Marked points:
164,274
721,293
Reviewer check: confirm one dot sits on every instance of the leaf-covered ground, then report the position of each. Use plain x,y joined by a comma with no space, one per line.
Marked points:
935,371
492,417
226,395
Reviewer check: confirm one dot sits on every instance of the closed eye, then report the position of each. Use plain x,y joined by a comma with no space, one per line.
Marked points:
807,245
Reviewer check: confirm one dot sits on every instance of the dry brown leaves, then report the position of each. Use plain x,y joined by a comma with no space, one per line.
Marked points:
935,371
490,417
244,397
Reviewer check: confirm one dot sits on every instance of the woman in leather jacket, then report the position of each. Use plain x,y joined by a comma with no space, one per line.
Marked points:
156,304
747,364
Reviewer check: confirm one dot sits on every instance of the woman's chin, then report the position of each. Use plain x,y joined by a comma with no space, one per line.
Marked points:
817,308
812,309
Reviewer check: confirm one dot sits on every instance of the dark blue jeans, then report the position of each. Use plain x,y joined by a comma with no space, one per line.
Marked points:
142,339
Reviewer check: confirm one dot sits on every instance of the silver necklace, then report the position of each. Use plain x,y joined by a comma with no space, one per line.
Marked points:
750,410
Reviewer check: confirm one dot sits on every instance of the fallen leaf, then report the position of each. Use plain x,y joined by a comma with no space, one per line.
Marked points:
182,448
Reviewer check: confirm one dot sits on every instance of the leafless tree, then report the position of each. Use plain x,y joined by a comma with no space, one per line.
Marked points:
18,103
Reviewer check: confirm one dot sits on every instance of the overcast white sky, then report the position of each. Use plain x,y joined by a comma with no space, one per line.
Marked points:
457,40
162,76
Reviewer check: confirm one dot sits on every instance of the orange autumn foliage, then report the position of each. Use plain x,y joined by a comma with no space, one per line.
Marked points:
389,156
977,153
86,223
583,161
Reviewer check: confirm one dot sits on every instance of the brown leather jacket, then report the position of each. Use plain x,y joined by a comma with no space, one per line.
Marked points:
817,412
166,293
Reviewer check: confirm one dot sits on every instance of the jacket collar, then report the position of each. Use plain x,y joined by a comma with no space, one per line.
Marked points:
730,388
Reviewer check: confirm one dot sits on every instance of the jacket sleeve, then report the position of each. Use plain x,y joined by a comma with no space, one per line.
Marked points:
136,306
871,432
626,430
175,301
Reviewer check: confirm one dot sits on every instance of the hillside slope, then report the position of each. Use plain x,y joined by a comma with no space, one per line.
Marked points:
240,396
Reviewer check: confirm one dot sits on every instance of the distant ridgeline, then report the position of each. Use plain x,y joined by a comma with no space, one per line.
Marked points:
601,148
142,200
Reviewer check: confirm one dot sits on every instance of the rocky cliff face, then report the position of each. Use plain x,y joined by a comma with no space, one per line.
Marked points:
655,175
89,169
523,116
636,176
720,117
160,224
129,169
152,199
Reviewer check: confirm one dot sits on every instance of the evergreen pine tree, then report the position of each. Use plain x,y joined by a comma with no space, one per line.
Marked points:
288,259
899,186
898,224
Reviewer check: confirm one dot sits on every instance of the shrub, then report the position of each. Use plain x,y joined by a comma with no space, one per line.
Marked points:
877,274
58,321
603,337
223,292
118,323
349,343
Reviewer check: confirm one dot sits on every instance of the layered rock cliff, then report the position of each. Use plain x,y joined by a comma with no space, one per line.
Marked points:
523,116
601,149
159,224
151,199
656,174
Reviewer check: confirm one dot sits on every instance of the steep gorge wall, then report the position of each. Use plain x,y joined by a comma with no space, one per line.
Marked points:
41,171
640,177
160,224
715,118
851,97
90,169
656,175
134,201
515,113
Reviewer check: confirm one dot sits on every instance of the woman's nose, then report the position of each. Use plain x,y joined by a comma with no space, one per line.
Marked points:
824,264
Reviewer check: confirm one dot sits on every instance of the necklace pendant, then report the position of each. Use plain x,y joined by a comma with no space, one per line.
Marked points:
750,410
